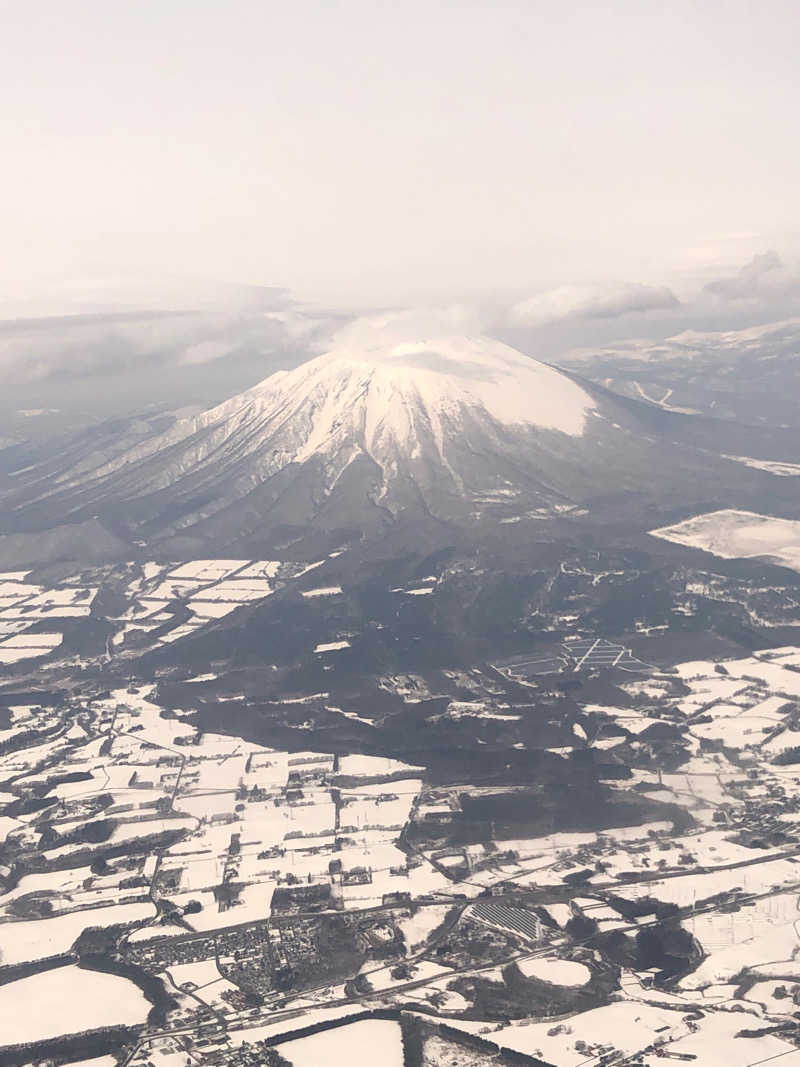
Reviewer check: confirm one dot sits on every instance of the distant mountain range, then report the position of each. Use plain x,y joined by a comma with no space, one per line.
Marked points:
749,375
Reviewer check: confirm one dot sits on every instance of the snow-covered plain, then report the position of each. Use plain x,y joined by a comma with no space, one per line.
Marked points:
556,971
36,939
67,1000
361,1044
733,534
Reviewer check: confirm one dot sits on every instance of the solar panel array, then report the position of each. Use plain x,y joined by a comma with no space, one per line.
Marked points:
517,920
591,653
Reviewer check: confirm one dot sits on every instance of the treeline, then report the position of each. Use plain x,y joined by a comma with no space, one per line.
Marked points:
14,971
153,988
414,1030
390,1014
33,863
96,832
788,755
508,1056
85,1046
28,737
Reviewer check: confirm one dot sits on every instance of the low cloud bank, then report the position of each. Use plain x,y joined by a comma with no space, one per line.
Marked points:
591,302
172,328
764,279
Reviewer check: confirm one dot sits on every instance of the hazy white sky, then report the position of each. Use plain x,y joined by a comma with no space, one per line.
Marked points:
372,150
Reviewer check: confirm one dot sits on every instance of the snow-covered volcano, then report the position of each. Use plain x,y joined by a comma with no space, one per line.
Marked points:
388,397
389,403
456,429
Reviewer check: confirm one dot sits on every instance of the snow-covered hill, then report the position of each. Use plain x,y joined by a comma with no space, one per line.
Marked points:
458,430
400,406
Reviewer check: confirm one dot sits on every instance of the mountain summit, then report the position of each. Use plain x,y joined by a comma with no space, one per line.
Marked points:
393,395
387,403
454,430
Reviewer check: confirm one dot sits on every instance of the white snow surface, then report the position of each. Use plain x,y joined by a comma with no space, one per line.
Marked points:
732,534
556,971
385,389
381,400
67,1000
360,1044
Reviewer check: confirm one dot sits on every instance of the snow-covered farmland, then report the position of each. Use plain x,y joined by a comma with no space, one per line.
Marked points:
556,971
622,1026
157,596
28,646
366,766
67,1000
208,570
360,1044
25,940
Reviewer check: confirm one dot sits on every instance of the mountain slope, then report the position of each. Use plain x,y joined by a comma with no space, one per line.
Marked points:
459,431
